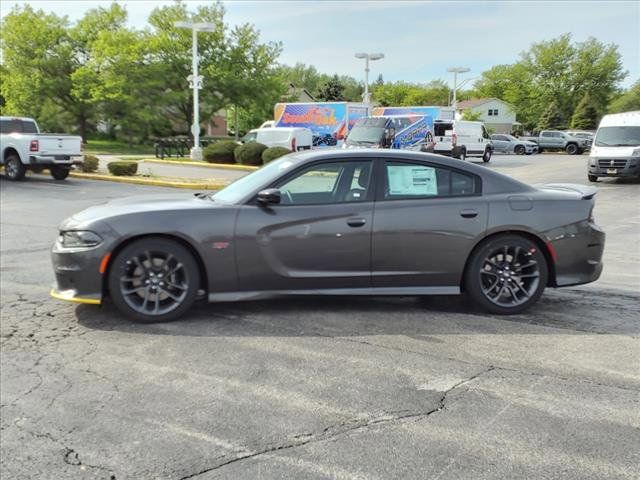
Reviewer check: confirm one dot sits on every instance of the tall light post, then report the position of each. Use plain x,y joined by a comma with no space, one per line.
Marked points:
368,57
195,81
456,71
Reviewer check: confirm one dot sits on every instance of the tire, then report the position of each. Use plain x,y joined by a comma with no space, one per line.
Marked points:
157,263
59,173
13,168
486,156
571,149
506,284
462,154
519,150
592,178
540,150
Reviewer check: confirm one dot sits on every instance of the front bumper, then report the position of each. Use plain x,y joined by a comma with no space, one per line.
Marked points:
529,149
614,167
77,273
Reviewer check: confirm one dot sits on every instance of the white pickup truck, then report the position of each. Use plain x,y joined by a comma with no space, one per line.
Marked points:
24,148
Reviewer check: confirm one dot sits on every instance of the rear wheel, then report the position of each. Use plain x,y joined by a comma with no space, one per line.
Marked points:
507,274
462,154
13,168
571,149
519,150
592,178
59,173
487,155
154,280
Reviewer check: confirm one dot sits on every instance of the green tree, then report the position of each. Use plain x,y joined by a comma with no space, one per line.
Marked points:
627,101
435,92
332,90
552,118
585,116
471,116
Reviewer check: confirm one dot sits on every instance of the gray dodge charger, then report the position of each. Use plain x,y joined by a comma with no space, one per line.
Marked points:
336,222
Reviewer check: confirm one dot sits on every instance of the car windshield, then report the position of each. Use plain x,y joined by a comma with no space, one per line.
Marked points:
367,131
242,187
618,137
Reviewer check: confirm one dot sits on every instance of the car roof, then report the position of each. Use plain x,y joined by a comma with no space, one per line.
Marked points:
629,119
493,182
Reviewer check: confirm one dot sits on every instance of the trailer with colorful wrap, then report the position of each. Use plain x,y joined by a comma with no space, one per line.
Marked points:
329,122
435,112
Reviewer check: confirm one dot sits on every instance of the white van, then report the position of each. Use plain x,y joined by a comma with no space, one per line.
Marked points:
293,138
462,139
616,147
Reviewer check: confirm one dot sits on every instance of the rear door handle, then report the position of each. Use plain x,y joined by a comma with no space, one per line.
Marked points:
356,222
468,213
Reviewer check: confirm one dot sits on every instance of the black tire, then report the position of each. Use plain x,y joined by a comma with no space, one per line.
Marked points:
59,173
486,156
152,262
462,154
540,150
520,275
592,178
571,149
519,150
13,168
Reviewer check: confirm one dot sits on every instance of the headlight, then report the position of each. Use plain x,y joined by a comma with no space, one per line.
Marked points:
636,153
79,239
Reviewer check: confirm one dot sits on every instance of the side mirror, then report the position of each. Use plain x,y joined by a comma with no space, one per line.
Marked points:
270,196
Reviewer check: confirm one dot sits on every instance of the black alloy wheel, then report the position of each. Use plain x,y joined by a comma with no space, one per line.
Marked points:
154,280
507,274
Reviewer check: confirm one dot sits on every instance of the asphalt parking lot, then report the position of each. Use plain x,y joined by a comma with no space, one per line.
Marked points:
320,388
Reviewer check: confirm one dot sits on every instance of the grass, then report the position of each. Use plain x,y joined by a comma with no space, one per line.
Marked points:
115,147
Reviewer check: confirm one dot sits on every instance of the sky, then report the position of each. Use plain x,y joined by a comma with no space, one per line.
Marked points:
420,39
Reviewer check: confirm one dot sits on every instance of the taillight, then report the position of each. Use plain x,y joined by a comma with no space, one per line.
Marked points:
34,146
293,144
454,139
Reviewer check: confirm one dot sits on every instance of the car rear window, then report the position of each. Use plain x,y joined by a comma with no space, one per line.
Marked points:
439,128
17,126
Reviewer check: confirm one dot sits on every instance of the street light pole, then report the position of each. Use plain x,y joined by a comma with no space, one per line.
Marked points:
456,71
368,57
195,81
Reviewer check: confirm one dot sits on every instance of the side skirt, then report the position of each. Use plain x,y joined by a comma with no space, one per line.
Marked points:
382,291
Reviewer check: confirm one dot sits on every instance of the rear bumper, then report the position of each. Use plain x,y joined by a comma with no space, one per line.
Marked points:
578,252
44,160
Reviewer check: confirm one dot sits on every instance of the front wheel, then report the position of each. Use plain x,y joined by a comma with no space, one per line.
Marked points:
506,274
519,150
571,149
487,155
59,173
13,168
154,280
592,178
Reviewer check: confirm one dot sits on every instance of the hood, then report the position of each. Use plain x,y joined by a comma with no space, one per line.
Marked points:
599,151
138,204
529,142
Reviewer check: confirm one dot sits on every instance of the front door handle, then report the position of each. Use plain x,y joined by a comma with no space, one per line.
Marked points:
468,213
356,222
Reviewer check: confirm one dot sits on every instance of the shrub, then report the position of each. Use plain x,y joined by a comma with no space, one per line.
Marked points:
120,169
220,152
250,153
90,164
272,153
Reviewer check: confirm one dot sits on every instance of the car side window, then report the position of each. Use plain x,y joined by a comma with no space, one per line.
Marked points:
405,180
326,183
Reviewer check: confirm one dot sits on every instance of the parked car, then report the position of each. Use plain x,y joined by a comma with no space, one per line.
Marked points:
293,138
250,136
510,144
462,139
24,148
616,147
587,136
557,140
304,224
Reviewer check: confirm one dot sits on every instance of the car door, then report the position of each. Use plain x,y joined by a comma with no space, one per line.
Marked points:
500,143
318,237
427,218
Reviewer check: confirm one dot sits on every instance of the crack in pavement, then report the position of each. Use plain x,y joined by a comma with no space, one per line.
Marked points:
334,431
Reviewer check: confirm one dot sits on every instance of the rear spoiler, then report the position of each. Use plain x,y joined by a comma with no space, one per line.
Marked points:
585,191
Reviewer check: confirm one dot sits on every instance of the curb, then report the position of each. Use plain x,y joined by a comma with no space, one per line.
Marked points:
201,164
149,182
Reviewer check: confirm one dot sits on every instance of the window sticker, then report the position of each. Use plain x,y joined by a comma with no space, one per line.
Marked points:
412,180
